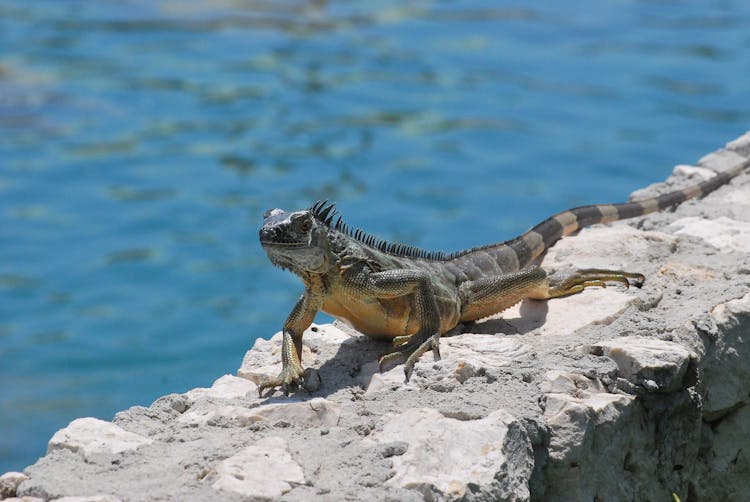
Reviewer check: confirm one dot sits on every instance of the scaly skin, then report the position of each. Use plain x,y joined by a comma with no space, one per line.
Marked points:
410,296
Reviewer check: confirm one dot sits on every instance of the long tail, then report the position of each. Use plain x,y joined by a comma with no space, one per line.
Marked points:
533,243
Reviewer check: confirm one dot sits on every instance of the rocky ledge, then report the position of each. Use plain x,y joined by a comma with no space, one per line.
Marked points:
613,394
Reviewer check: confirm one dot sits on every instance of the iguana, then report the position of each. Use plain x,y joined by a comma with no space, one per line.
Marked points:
410,296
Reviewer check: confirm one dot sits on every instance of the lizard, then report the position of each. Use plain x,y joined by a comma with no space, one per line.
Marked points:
410,296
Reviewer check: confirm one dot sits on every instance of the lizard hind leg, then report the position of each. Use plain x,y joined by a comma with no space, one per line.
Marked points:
409,349
590,277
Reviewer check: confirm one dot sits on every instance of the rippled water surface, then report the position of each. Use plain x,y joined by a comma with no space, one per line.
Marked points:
140,142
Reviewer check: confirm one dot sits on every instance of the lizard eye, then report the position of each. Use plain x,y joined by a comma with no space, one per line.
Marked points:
305,225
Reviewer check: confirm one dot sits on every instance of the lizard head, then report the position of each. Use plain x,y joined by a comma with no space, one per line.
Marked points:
295,240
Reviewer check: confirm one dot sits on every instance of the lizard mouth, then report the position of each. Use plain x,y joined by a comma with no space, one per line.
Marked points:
286,245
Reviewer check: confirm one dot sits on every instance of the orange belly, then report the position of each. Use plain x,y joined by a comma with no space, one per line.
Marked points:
376,318
387,318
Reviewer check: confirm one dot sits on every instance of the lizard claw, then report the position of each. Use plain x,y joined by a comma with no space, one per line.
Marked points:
411,348
289,380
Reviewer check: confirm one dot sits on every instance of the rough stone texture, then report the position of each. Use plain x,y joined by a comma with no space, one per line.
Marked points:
462,357
92,498
264,470
725,365
723,233
9,483
311,413
90,436
226,387
487,452
611,395
725,471
656,365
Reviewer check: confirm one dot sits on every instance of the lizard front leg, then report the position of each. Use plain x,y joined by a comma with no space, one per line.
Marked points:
403,283
292,374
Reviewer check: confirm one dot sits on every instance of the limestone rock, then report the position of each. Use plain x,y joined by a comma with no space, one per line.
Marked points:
684,272
698,174
721,160
738,200
226,387
24,499
610,247
656,365
740,145
583,421
373,380
606,446
9,483
724,366
264,470
446,458
472,354
726,468
566,315
462,357
90,498
725,234
314,412
90,436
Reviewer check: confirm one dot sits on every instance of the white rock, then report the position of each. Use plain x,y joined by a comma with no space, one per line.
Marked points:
9,483
264,470
724,366
563,316
590,432
725,234
682,171
315,412
325,334
738,200
462,356
652,363
721,160
729,313
740,145
24,499
681,271
202,414
373,380
569,391
226,387
90,436
90,498
470,354
445,455
609,247
263,361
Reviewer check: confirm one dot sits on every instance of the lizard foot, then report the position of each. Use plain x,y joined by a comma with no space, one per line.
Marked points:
589,277
290,379
411,349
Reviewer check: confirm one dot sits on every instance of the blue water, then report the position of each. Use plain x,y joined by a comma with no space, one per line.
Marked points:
140,141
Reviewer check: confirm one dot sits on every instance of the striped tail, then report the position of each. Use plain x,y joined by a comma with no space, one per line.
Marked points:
533,243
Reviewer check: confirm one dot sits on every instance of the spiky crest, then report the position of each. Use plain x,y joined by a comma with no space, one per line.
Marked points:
324,212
